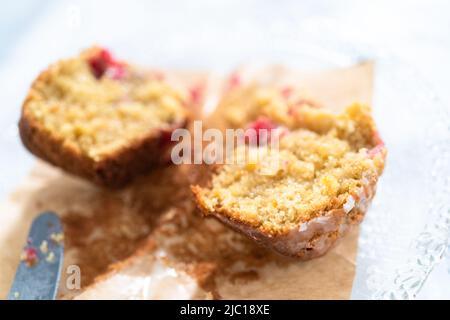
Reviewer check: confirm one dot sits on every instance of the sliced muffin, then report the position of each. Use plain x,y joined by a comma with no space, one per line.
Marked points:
100,118
303,195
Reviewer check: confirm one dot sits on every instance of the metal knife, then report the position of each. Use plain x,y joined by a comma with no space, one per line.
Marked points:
38,274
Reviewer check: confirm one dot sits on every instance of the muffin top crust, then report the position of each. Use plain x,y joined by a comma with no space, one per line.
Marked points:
98,105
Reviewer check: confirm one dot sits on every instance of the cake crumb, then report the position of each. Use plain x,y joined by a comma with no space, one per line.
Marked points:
50,257
44,247
57,237
209,296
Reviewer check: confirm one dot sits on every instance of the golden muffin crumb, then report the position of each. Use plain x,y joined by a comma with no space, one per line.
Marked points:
97,111
316,168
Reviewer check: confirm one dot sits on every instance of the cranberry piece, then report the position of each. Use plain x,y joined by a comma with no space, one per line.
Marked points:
262,123
234,81
286,92
103,63
375,150
196,94
31,256
377,139
116,71
159,75
379,145
263,126
100,62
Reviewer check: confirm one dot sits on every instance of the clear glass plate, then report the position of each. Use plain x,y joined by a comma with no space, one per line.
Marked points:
406,231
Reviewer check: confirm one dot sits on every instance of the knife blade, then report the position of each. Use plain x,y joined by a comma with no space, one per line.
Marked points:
38,274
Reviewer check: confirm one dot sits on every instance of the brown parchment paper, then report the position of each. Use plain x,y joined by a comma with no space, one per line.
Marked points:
104,227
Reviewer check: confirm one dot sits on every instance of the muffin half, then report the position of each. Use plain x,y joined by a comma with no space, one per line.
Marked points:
100,118
302,196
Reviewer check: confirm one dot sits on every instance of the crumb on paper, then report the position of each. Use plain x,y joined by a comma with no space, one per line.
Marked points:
29,256
50,257
57,237
16,295
44,247
209,296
